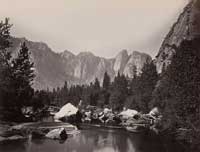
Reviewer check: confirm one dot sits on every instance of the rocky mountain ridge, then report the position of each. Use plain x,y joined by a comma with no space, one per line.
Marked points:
52,69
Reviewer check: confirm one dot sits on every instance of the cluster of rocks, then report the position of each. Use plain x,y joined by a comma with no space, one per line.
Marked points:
128,118
96,115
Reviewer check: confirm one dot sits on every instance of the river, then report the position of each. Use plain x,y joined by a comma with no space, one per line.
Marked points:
93,140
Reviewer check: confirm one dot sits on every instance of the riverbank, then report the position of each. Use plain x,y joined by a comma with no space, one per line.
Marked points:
22,131
94,139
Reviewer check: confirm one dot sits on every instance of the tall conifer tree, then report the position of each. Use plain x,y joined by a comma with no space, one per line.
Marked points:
23,75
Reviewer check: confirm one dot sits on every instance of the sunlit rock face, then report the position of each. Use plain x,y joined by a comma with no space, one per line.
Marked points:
138,60
186,27
52,69
121,61
87,67
124,63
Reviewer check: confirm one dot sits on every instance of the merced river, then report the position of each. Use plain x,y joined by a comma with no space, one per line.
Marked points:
94,140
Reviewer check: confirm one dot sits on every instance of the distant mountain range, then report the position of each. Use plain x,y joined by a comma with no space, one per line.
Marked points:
52,69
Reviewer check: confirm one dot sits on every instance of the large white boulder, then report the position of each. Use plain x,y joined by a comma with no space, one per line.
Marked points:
129,113
59,133
106,110
66,111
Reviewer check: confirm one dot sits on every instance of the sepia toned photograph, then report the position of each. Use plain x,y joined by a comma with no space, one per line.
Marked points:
99,75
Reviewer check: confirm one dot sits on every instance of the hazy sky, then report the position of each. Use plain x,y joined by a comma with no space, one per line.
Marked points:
103,27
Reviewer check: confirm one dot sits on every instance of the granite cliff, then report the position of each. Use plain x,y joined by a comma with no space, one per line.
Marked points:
186,27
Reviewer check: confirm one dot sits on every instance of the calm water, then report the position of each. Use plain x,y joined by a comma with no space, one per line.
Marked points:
92,140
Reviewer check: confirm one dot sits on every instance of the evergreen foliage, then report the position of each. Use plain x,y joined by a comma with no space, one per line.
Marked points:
147,83
16,76
6,90
177,93
106,81
179,89
23,75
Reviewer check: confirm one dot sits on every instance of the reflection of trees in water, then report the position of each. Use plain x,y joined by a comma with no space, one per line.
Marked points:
120,142
91,140
103,139
146,143
137,142
37,141
95,139
86,141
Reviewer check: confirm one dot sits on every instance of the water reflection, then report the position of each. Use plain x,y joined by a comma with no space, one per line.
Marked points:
92,140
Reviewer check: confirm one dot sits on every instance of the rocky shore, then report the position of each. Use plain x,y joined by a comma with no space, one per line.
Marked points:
23,131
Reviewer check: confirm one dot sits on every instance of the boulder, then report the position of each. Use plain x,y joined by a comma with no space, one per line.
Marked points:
59,133
154,112
129,113
66,111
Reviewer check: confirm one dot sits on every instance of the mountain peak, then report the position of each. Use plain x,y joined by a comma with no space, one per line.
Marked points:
136,53
124,52
67,54
86,53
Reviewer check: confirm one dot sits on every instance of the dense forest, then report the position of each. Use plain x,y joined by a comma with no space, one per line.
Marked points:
175,91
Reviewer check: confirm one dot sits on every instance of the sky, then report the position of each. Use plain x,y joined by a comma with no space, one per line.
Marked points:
103,27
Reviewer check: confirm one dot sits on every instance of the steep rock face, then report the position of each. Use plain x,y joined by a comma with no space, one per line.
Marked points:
104,65
86,67
121,61
186,27
138,60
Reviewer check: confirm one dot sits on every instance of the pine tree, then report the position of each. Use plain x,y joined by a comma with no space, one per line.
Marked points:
23,75
6,89
64,93
5,55
119,92
106,81
105,93
5,43
133,101
147,83
96,84
116,100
